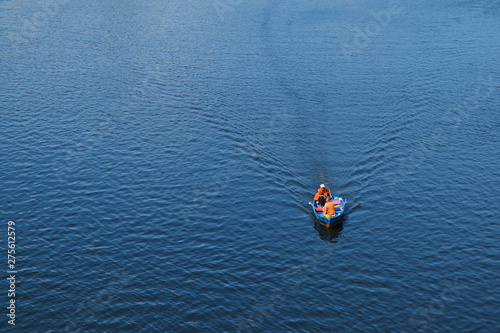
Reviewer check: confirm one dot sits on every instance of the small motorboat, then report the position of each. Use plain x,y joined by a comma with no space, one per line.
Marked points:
330,220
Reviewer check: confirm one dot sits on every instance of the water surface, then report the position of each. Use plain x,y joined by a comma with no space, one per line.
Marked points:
158,159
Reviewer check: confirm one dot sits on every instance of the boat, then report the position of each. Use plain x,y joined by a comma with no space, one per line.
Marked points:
331,220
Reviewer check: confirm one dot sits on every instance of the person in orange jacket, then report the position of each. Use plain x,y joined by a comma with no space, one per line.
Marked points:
329,208
321,194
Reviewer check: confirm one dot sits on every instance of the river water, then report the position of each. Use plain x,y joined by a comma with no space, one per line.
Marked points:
158,159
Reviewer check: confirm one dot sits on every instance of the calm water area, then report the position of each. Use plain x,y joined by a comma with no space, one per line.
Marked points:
158,157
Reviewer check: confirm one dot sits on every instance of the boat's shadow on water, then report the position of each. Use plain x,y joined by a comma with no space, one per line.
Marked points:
329,234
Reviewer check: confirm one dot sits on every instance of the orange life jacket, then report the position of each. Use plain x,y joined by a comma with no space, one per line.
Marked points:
329,208
322,192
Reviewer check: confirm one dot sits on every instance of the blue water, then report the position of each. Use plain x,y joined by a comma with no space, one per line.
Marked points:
158,159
